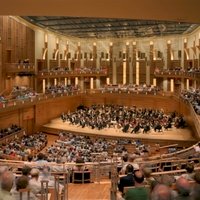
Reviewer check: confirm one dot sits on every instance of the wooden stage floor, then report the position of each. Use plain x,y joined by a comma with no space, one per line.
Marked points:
172,135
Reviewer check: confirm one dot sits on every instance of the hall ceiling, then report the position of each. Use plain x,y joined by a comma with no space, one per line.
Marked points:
88,27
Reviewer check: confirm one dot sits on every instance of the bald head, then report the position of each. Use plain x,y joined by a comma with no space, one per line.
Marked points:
161,192
7,179
3,169
183,186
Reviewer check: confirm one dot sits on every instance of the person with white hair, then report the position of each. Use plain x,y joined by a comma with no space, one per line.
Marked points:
161,192
2,170
34,182
7,179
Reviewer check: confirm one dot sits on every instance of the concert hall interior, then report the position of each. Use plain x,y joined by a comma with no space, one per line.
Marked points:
99,100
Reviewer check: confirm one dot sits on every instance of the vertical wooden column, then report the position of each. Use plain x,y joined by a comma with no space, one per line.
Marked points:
187,84
194,84
154,82
91,83
69,81
43,86
81,83
78,64
182,84
137,77
57,57
171,85
194,55
169,54
151,60
1,69
127,64
114,71
134,52
148,80
68,56
2,84
111,61
55,81
66,52
185,56
198,57
65,81
124,72
76,81
94,55
107,80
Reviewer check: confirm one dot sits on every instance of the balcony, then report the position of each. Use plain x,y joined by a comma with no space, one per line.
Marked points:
177,74
20,69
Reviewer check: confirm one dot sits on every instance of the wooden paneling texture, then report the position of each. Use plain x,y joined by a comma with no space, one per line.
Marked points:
147,101
175,64
119,66
23,117
18,43
50,109
9,118
142,72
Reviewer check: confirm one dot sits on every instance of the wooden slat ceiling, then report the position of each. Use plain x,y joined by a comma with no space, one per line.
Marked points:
85,27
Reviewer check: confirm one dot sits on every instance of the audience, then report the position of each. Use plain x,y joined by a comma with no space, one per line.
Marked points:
131,88
20,148
10,130
193,97
61,89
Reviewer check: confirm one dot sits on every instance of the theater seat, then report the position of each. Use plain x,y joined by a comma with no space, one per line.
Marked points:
81,177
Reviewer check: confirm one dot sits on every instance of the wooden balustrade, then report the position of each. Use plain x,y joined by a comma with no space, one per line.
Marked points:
11,137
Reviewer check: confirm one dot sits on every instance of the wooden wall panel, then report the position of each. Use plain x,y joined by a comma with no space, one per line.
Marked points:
28,113
9,118
147,101
50,109
18,43
119,66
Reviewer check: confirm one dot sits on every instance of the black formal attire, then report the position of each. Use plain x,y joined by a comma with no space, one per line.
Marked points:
126,181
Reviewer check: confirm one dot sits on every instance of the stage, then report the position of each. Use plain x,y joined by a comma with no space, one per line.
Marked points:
173,135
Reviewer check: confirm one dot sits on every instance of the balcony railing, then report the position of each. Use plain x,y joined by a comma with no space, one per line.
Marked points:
68,73
20,68
178,74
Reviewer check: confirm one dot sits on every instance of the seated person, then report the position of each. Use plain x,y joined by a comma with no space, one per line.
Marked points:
127,180
22,183
184,189
7,179
139,192
190,172
34,182
131,160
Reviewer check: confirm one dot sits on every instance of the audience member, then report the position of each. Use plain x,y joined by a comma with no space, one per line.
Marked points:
23,183
34,183
139,192
7,179
184,189
161,192
127,180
